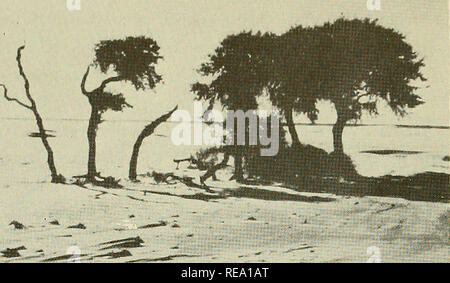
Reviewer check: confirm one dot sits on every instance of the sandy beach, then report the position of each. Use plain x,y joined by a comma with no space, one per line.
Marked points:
166,223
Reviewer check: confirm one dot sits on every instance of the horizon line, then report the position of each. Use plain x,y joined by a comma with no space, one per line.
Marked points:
284,124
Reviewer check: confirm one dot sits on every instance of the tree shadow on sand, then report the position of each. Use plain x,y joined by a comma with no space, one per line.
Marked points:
310,169
251,193
428,186
305,168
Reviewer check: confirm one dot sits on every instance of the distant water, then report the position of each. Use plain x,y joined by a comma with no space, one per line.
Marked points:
376,150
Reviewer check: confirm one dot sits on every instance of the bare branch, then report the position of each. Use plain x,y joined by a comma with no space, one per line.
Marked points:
83,83
109,80
128,105
22,73
5,93
101,87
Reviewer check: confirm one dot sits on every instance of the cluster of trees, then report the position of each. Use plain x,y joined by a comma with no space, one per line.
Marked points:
354,64
133,60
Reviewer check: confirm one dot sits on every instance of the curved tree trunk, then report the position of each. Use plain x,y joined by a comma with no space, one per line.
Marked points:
338,130
289,115
147,131
132,173
94,120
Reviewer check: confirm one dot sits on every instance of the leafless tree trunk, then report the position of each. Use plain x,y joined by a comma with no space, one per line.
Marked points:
146,132
56,178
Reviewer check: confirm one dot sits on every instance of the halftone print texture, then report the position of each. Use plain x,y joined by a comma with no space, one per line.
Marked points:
224,131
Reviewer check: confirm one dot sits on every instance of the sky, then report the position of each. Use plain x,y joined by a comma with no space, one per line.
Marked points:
59,47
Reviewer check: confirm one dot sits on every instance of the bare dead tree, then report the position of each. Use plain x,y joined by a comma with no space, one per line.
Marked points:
146,132
56,178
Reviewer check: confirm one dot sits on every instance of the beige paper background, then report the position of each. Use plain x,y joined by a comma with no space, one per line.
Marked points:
59,46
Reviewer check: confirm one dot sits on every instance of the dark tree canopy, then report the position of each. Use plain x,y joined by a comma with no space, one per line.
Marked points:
109,101
355,64
132,58
352,63
238,71
294,65
296,71
365,62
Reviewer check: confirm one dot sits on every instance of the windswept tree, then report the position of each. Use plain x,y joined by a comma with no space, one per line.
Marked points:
31,105
294,77
237,75
365,63
133,60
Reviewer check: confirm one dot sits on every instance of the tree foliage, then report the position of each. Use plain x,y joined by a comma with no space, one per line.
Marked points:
354,64
237,70
297,69
239,75
109,101
132,58
365,63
